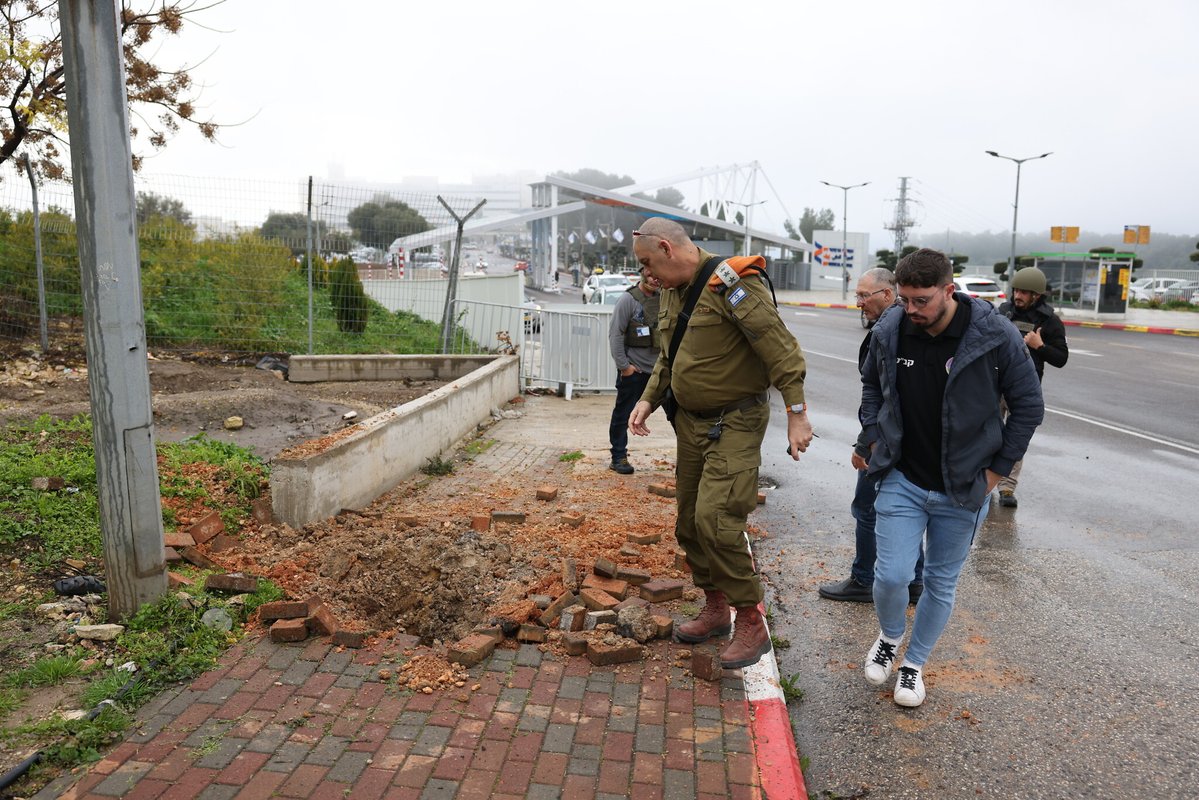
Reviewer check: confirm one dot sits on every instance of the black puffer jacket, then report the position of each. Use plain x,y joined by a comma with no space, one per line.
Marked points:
1041,317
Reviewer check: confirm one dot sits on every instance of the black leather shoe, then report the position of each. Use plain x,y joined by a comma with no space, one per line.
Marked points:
622,466
914,592
848,590
1007,499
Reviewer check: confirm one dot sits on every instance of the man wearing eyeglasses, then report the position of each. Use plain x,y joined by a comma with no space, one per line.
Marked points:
875,294
931,389
734,348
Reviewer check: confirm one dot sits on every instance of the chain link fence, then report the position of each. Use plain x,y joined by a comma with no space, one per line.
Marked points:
242,266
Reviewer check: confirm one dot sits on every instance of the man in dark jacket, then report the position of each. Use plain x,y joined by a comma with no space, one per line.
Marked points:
1045,336
931,388
875,294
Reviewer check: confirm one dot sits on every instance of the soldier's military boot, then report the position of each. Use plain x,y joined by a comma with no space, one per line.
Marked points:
712,621
750,640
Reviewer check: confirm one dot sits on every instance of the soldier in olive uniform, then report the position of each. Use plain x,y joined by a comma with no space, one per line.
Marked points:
735,347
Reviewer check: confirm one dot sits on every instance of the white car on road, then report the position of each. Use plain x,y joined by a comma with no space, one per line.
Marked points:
607,281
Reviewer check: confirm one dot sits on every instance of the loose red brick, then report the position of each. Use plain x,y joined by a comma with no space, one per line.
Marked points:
533,634
570,574
659,591
261,510
195,557
613,586
175,580
172,555
630,551
761,498
412,520
208,526
662,489
289,630
634,575
630,602
596,618
665,626
604,568
550,615
573,519
495,632
480,522
705,664
351,639
622,652
572,618
575,644
510,517
680,561
282,609
52,484
598,599
178,539
320,620
645,538
223,543
238,584
547,493
471,650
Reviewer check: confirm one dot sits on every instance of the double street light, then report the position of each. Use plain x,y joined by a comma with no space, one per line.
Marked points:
845,233
1011,261
747,207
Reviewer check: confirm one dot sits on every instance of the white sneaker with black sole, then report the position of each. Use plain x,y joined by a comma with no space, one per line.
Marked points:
909,689
880,660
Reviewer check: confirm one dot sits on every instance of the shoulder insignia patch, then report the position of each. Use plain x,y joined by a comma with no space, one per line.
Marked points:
728,276
737,296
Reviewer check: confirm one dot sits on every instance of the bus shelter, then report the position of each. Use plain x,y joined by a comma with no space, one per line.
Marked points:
1096,282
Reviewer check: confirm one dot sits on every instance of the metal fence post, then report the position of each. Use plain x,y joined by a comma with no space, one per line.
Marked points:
447,319
310,266
114,325
43,322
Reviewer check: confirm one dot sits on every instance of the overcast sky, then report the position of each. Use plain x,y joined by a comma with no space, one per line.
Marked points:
841,91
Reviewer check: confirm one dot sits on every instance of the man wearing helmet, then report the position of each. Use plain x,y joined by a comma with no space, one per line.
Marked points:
1045,336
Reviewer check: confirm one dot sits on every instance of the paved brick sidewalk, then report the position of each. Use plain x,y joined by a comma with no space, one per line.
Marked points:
306,721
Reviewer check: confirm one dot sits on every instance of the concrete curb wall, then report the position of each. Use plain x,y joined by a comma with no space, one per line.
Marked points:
383,450
319,369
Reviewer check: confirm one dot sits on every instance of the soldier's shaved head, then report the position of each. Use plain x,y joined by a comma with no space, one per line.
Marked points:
666,229
663,248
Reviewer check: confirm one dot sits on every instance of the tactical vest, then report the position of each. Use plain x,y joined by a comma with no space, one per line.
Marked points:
644,317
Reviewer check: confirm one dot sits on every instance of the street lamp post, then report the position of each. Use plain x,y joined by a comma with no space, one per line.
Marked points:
747,207
845,233
1011,259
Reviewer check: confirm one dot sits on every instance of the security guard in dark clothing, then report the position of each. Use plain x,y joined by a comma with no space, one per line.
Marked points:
1045,336
633,342
734,348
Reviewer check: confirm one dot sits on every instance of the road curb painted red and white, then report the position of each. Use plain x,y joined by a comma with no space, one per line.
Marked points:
1111,326
775,752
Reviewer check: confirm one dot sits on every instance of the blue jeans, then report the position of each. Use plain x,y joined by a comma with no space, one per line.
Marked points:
628,392
905,514
865,551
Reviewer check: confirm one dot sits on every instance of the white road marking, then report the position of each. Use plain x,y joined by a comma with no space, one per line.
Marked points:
805,314
1119,429
808,352
1075,351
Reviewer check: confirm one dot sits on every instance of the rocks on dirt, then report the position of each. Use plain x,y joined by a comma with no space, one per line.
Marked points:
234,423
636,623
47,484
99,633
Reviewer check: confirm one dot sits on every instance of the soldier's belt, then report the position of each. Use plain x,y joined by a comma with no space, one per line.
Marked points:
740,405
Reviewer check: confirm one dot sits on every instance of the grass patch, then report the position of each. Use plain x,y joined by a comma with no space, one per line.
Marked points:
47,671
572,456
790,686
478,446
779,642
437,466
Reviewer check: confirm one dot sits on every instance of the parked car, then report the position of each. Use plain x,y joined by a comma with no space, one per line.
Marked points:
604,281
980,286
1187,291
1153,288
606,296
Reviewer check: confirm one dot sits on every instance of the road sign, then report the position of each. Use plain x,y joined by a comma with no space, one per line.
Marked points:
1063,234
1136,234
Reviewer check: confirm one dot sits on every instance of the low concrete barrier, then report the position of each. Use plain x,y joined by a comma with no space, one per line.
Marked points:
373,457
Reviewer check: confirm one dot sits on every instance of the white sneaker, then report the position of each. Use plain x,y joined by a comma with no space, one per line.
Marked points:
909,689
879,661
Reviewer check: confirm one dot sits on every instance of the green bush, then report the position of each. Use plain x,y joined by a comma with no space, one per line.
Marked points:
349,301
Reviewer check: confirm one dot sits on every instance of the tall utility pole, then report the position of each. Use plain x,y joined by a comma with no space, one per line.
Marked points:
902,220
114,326
1011,259
747,207
451,290
845,233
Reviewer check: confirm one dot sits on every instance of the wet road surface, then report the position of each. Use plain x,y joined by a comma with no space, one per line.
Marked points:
1070,664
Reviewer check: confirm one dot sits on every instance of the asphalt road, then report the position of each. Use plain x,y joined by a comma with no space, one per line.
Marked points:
1070,664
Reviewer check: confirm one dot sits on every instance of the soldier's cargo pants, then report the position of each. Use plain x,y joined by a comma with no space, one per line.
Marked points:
717,487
